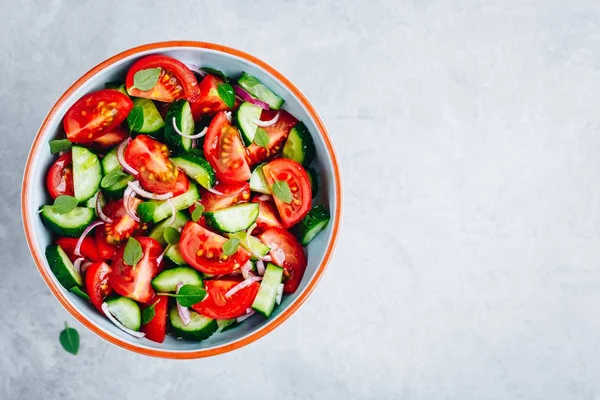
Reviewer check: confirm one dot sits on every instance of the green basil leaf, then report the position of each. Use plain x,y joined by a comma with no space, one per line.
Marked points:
146,79
227,94
189,295
282,191
215,72
69,339
231,246
58,145
171,235
145,211
261,138
135,119
148,313
133,252
111,178
197,213
64,204
77,291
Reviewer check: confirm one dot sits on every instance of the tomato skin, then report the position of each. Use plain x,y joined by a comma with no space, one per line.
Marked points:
295,259
217,306
175,82
157,173
233,193
278,133
267,214
122,225
59,179
135,283
111,139
156,329
224,150
96,114
88,248
106,250
195,239
209,101
96,283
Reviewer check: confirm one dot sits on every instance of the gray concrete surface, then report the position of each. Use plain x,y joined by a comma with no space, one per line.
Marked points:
468,265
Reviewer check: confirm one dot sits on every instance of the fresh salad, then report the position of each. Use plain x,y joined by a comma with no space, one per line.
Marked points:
182,200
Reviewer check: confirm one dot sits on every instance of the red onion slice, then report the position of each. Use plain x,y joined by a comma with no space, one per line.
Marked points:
249,312
215,191
241,285
127,197
264,197
248,97
120,325
184,312
173,211
228,115
77,264
279,293
99,211
246,270
135,185
267,258
196,136
267,123
87,230
278,256
162,255
260,267
85,266
121,157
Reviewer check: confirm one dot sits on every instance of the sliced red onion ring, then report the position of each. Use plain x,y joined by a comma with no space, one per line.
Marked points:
260,267
246,270
162,255
173,211
196,68
194,144
267,258
120,325
228,115
87,230
248,233
184,312
248,97
127,197
77,264
270,122
249,312
121,157
214,191
85,266
279,293
278,256
99,211
264,197
196,136
241,285
135,185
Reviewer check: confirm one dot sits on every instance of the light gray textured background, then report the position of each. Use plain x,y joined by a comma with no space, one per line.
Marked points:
469,261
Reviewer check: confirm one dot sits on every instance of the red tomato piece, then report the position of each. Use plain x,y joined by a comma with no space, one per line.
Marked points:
278,133
96,283
295,259
96,114
59,179
233,193
88,248
217,306
209,102
176,81
111,139
156,329
267,215
106,250
122,225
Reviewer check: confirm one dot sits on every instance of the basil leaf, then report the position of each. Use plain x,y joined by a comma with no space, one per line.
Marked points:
282,191
69,339
227,94
215,72
189,295
135,119
146,79
171,235
145,211
231,246
111,178
148,313
77,291
133,252
64,204
197,213
261,138
58,145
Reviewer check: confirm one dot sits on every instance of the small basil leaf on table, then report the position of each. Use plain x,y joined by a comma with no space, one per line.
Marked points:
58,145
133,252
69,339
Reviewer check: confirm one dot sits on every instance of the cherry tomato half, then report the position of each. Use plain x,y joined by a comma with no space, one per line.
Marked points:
295,259
88,248
233,193
59,179
122,225
111,139
209,102
217,306
278,133
96,283
156,329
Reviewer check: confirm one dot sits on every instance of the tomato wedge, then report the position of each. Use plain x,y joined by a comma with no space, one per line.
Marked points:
297,180
157,173
156,329
96,283
88,248
122,225
233,193
278,133
295,259
225,151
217,306
106,250
203,250
209,102
96,114
111,139
267,215
175,81
59,180
135,282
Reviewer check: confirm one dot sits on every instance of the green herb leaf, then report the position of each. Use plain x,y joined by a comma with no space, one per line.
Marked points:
227,94
261,138
64,204
69,339
146,79
197,213
135,119
148,313
58,145
171,235
215,72
189,295
133,252
231,246
145,211
112,177
282,191
76,290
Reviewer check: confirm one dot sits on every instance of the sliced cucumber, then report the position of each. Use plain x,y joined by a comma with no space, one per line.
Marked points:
314,181
147,119
199,327
182,113
197,168
253,86
157,233
174,255
167,280
126,311
120,86
264,302
233,219
110,163
226,324
71,224
315,221
244,118
256,246
87,173
91,202
62,267
258,182
299,145
163,209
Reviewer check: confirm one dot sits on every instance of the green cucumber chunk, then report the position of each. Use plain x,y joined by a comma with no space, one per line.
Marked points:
253,86
167,280
147,119
232,219
264,302
315,221
87,173
163,209
244,118
313,177
299,145
199,327
197,168
181,112
110,163
91,202
226,324
257,248
62,267
157,232
174,255
126,311
120,86
71,224
258,182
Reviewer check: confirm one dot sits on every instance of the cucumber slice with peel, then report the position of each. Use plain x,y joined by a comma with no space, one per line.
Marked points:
310,226
232,219
167,280
199,327
264,302
71,224
145,117
244,118
163,209
197,168
255,87
253,245
87,173
181,112
258,182
126,311
299,145
157,232
62,267
174,255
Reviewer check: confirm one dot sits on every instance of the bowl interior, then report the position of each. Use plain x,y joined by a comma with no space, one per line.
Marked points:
231,65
